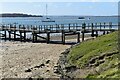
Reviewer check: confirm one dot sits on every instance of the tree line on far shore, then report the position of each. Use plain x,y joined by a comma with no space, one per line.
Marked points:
18,15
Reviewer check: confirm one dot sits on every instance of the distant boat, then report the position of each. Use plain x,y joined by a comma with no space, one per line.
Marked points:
88,18
47,19
81,17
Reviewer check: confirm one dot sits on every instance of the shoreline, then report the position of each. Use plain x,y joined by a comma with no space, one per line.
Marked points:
26,59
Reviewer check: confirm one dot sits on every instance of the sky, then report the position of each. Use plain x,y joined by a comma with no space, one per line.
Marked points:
61,7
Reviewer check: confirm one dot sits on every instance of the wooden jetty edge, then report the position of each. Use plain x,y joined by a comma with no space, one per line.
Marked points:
64,29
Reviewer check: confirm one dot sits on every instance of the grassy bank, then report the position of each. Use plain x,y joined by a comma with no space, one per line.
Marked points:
98,58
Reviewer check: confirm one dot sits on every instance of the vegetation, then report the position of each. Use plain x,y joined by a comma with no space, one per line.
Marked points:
18,15
100,54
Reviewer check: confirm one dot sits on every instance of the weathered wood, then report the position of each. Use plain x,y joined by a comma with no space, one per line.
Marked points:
14,35
83,31
92,34
24,36
33,37
104,28
65,29
9,35
63,37
20,36
48,37
5,35
78,38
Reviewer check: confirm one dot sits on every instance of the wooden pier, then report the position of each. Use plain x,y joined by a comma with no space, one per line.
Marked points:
64,29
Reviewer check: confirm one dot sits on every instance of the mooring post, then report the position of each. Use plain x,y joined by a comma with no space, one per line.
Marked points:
78,39
83,31
104,29
92,30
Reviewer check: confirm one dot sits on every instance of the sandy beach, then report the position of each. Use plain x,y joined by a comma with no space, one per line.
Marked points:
23,60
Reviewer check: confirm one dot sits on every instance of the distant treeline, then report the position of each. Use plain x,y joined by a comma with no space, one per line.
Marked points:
18,15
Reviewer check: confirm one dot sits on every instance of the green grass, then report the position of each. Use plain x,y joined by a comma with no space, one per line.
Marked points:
83,53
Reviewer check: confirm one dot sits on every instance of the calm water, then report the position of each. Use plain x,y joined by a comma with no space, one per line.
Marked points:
58,20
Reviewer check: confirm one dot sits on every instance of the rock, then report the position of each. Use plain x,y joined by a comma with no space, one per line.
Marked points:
29,70
47,61
40,66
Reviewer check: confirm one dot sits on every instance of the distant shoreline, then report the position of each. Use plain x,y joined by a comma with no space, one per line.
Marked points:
18,15
30,15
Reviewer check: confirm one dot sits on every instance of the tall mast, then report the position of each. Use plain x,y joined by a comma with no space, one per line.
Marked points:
46,10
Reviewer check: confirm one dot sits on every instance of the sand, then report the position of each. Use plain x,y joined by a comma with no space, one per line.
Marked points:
23,59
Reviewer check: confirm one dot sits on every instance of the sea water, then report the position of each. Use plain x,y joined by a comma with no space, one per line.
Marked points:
58,20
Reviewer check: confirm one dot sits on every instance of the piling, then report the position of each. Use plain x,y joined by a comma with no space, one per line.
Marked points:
78,38
5,35
92,34
20,36
63,37
9,35
48,37
83,31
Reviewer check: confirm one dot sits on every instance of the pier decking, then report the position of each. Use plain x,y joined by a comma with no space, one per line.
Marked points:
64,29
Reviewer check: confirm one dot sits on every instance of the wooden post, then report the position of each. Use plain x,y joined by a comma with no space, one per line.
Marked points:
96,30
76,26
92,30
39,28
88,25
96,33
15,35
78,39
73,26
63,37
15,32
100,26
33,39
110,26
83,31
44,27
20,36
5,35
104,29
9,35
24,36
48,37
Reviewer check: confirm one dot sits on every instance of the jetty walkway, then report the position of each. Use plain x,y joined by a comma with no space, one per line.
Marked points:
65,29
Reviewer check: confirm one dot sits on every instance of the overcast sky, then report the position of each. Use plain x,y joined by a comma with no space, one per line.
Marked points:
61,7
